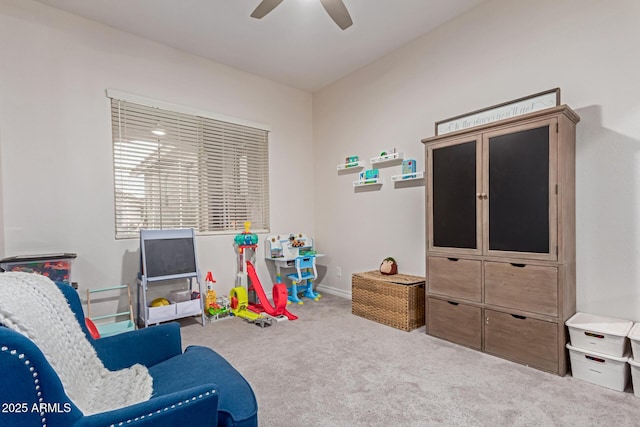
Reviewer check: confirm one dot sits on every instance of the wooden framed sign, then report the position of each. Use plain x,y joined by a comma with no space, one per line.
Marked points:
517,107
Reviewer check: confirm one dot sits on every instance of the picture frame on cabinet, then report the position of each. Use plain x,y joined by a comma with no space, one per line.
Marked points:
528,104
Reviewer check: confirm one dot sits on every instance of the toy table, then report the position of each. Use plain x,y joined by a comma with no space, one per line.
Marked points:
279,249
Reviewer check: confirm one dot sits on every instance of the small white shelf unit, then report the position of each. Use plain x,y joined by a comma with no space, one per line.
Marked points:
387,158
368,182
351,165
408,176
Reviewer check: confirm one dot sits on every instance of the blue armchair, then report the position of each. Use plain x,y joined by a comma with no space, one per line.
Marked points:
194,388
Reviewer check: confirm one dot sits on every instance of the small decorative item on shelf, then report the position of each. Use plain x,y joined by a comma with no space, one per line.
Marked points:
369,176
408,169
389,266
351,161
388,157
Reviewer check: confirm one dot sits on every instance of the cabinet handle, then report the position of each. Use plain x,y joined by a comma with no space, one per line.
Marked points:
482,196
518,265
518,316
453,302
453,259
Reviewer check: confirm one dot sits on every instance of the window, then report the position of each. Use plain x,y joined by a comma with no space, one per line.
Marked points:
177,169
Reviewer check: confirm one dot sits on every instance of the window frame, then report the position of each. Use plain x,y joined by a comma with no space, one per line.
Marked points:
230,157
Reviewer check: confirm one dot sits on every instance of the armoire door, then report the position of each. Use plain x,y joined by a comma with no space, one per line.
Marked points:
453,205
520,177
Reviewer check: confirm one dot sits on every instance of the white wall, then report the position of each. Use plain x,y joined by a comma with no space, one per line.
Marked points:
499,51
55,135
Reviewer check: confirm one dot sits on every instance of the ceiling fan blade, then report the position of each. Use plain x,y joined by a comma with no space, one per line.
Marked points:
338,12
265,7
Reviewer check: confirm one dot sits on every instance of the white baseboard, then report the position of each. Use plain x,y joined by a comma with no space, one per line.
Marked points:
334,291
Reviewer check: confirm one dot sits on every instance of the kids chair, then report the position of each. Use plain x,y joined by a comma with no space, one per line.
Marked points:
54,374
305,272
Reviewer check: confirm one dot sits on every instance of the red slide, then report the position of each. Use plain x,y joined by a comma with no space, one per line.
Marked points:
279,295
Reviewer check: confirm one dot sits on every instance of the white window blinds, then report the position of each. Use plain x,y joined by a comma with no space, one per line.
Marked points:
177,170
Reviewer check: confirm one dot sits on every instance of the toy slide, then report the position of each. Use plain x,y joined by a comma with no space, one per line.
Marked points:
279,295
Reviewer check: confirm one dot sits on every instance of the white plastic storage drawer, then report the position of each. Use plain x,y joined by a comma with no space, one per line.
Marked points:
606,335
597,368
635,376
634,337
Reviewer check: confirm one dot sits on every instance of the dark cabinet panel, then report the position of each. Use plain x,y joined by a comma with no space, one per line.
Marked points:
454,196
519,191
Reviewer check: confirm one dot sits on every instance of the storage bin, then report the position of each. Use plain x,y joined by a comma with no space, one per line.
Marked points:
606,335
635,376
180,295
187,308
597,368
634,338
56,267
161,313
394,300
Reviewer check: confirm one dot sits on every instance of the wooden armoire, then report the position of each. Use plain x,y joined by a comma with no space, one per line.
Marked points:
501,251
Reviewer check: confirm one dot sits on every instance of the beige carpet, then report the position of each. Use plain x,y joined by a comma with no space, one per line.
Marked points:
330,368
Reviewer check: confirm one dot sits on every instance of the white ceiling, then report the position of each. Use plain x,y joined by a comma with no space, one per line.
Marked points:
296,44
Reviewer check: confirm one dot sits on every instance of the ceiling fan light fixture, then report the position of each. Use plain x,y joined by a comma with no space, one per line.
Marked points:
335,8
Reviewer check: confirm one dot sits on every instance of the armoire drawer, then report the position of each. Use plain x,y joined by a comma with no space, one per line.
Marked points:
455,277
526,287
455,322
528,341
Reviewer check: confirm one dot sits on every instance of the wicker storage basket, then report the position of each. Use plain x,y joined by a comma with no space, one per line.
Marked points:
396,300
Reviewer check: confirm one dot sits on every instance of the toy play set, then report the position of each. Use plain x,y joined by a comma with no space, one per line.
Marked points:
248,299
294,251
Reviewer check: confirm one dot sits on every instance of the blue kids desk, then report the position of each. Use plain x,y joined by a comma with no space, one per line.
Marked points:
283,249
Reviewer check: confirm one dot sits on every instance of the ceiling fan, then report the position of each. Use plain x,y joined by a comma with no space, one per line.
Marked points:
335,8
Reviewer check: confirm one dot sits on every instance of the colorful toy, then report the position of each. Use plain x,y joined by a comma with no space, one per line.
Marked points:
408,169
351,159
385,153
93,330
159,302
369,176
110,324
389,266
295,243
286,252
247,278
210,299
215,308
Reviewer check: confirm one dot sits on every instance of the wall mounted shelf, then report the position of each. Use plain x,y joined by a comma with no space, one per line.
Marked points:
408,177
351,165
368,182
388,158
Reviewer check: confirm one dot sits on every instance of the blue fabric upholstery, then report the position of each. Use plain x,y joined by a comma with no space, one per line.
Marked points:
197,387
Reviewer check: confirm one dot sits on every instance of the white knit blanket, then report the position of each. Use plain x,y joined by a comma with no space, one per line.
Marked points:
34,306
